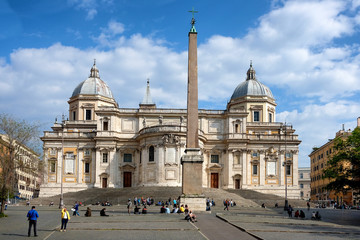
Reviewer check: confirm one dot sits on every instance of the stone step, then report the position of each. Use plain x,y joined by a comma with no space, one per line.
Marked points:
243,198
268,199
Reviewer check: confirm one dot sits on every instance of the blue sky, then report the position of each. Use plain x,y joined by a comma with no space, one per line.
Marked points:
307,52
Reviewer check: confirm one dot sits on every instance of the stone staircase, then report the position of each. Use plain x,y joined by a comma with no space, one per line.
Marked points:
243,198
268,199
219,195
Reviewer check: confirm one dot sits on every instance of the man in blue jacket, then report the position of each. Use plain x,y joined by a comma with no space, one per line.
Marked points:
32,217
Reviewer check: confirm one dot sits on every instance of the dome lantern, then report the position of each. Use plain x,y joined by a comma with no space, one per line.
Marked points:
94,71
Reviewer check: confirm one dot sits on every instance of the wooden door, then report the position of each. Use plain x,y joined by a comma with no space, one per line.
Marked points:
104,183
237,183
127,179
214,180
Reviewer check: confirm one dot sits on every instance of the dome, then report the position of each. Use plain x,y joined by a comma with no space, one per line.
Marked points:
93,85
251,87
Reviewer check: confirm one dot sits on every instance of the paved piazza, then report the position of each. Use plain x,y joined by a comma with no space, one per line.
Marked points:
238,223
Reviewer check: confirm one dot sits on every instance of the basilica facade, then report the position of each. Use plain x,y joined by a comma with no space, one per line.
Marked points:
102,145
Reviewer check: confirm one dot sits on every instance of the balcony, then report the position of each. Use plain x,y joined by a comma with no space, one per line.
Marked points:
163,128
266,137
69,134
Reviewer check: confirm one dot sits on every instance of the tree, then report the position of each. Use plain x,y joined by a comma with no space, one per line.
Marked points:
343,168
17,135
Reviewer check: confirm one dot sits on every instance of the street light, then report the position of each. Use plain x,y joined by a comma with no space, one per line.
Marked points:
61,204
285,164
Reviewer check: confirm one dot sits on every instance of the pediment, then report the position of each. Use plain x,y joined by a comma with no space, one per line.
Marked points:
127,166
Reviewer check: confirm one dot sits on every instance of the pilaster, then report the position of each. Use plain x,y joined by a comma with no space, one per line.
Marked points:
96,169
262,168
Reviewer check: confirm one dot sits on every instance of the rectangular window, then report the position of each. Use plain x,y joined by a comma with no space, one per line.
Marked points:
73,115
237,128
301,185
105,126
270,118
52,166
88,114
301,175
288,155
87,167
127,157
255,170
288,169
256,116
255,154
87,152
105,157
214,158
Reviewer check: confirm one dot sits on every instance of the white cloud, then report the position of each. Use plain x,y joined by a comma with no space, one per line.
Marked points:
89,6
301,24
315,123
109,36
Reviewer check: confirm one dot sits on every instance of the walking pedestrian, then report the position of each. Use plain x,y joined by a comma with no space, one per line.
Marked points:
32,216
76,208
226,204
65,217
129,205
290,210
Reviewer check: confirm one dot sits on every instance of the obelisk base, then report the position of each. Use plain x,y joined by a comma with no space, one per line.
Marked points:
192,193
196,203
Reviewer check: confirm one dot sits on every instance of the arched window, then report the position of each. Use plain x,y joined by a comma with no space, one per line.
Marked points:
237,128
151,154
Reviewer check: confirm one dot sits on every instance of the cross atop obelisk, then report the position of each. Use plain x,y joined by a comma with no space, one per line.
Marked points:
193,29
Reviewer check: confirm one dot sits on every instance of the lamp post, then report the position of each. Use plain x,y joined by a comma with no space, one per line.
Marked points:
61,204
285,164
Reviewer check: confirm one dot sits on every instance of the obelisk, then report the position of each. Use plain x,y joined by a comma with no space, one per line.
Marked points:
192,193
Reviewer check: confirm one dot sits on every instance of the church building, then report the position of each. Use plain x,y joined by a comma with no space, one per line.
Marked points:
102,145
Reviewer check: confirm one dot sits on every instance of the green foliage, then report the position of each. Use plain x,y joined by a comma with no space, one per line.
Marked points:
3,215
343,168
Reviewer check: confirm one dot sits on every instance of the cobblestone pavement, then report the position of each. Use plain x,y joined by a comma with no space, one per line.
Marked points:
119,225
238,223
274,224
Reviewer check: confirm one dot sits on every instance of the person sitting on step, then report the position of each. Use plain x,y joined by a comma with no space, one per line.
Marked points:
102,213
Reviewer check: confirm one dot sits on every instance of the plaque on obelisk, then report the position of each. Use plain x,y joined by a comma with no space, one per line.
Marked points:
192,193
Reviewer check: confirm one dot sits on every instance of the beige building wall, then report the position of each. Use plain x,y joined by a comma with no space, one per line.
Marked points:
238,151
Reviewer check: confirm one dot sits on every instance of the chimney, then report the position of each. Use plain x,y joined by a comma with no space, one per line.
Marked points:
358,121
